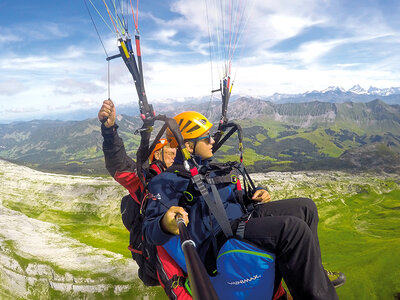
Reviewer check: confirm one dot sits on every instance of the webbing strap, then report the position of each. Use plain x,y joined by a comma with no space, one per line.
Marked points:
219,214
221,208
228,178
240,229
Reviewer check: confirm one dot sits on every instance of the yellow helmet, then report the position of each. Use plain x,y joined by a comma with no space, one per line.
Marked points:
191,124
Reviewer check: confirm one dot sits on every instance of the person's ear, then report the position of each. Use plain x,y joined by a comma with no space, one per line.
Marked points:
157,155
189,146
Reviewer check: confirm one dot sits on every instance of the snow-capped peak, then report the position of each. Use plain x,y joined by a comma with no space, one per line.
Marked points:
357,89
333,89
383,92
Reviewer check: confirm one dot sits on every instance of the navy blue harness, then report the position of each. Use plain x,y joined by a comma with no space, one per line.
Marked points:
243,270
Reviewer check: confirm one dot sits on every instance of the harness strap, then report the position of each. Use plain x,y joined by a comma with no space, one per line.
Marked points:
219,214
242,225
220,207
229,178
240,229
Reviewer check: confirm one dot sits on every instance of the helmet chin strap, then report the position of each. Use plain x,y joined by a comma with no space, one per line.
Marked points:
194,147
162,155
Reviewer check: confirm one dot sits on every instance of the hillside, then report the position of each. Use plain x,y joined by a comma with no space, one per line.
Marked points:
278,137
61,236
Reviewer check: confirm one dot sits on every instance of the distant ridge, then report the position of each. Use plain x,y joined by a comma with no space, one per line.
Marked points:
278,137
332,94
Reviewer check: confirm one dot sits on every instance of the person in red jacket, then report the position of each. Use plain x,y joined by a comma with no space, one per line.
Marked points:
124,170
118,163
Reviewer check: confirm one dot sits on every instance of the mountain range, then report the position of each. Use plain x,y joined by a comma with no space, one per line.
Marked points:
277,137
334,94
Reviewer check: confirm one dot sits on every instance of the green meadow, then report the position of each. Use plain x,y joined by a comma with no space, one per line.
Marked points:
360,236
359,228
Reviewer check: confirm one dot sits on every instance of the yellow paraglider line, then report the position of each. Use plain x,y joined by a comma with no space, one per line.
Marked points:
111,17
101,16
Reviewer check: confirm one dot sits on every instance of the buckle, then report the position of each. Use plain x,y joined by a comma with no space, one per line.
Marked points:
234,179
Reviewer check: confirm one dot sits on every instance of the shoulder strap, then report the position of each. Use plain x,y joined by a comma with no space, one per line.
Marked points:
216,207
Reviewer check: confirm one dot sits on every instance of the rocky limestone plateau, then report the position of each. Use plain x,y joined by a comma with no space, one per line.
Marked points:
36,255
38,259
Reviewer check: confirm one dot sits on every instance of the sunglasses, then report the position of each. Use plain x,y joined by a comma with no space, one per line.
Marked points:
208,137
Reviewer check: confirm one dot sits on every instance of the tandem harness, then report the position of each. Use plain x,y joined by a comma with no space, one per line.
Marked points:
243,269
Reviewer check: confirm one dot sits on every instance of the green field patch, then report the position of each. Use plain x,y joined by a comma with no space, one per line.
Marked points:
321,140
249,156
114,238
260,137
74,162
62,149
273,128
283,162
88,153
225,148
359,237
249,140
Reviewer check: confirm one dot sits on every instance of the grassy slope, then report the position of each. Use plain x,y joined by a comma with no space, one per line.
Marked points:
359,230
361,238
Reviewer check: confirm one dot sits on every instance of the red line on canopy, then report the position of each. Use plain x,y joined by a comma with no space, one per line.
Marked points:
135,20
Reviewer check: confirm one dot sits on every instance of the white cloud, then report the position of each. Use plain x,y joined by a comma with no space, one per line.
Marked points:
11,87
282,26
22,110
7,36
309,53
33,31
70,86
42,31
166,36
86,102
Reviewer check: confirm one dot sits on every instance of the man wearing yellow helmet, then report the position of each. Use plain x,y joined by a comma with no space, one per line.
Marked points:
287,227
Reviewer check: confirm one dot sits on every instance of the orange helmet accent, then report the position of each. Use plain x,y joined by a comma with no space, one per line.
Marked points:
191,124
161,144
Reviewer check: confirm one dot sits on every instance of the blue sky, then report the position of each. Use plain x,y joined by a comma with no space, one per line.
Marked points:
51,59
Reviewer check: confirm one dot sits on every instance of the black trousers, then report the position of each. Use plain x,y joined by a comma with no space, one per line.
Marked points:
288,228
